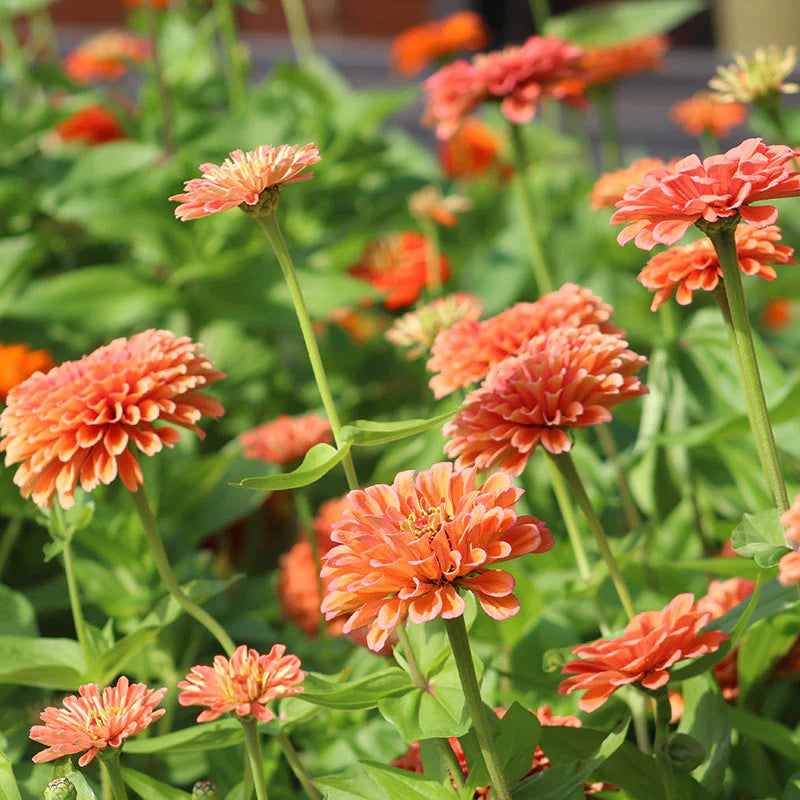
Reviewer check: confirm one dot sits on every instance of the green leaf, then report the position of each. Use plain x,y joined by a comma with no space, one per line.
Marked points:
319,460
200,590
355,695
17,617
772,600
46,663
699,665
365,433
115,658
8,784
371,781
324,291
766,731
761,537
206,736
792,790
85,791
16,7
149,788
729,567
761,647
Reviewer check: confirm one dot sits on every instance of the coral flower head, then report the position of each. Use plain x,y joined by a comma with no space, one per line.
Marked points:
565,378
405,550
92,125
243,178
611,186
790,519
18,362
91,721
652,643
661,207
752,79
606,64
694,266
777,313
472,150
789,569
705,112
81,422
105,57
286,439
243,684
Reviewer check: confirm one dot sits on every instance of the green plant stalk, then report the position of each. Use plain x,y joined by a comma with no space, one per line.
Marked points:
433,271
232,62
290,754
156,544
709,144
603,97
164,100
540,11
114,772
459,642
722,237
663,713
13,55
269,224
10,536
75,602
609,448
566,466
299,30
253,745
307,524
666,316
522,198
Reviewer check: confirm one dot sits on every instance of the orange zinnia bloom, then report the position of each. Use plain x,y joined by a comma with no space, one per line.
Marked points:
694,266
416,48
243,684
430,204
405,550
778,313
706,112
400,264
81,421
790,519
667,200
93,125
611,186
603,65
472,150
465,352
789,569
90,721
286,439
17,363
105,57
565,378
652,643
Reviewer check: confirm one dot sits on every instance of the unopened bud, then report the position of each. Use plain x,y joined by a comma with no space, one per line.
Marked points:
205,790
685,752
60,789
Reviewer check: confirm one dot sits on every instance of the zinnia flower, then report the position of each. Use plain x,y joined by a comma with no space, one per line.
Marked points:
416,48
472,150
243,684
605,64
407,549
90,721
417,329
430,204
611,186
777,313
79,423
754,78
93,125
105,57
18,362
465,352
400,264
706,112
652,643
286,439
790,519
694,266
243,178
789,569
667,200
361,325
565,378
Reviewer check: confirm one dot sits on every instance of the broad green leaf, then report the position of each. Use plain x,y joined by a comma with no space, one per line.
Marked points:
773,599
46,663
699,665
761,647
8,784
85,791
355,695
792,790
115,658
370,781
149,788
770,733
17,617
729,567
206,736
760,537
318,461
365,433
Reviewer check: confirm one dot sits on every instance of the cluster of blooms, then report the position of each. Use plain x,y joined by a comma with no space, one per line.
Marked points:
705,112
105,57
91,125
751,79
17,363
286,438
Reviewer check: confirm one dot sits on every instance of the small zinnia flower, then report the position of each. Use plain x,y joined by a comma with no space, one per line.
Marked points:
611,186
790,519
243,684
17,363
706,112
430,204
92,125
286,438
565,378
694,266
667,200
472,150
778,313
91,721
105,57
243,178
652,643
407,549
604,64
751,79
789,569
80,423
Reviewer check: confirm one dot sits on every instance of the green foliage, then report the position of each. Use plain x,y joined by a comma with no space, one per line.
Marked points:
760,537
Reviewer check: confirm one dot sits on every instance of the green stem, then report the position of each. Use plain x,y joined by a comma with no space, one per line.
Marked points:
299,30
253,745
307,524
153,536
723,239
247,780
450,760
609,447
290,754
231,47
709,144
269,224
663,713
540,10
10,536
75,601
666,315
541,272
566,466
603,97
164,101
114,772
459,641
433,271
570,522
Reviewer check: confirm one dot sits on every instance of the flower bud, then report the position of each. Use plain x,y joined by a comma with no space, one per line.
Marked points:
60,789
205,790
685,752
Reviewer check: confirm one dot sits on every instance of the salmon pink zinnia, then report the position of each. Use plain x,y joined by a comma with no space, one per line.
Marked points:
652,643
286,439
91,721
790,519
405,550
243,684
79,423
706,112
667,200
472,150
789,569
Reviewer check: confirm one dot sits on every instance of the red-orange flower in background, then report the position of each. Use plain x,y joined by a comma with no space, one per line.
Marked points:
668,200
706,112
242,178
414,49
689,267
243,684
93,125
790,519
652,643
778,313
465,352
79,423
91,721
405,550
472,150
17,363
565,378
105,57
611,186
400,264
605,64
789,569
286,438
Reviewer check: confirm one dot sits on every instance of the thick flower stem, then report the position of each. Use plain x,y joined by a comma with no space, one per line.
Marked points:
663,713
231,50
114,772
433,276
540,10
299,30
164,101
154,541
522,197
269,224
75,601
609,447
603,97
709,144
290,754
566,466
253,745
738,322
459,641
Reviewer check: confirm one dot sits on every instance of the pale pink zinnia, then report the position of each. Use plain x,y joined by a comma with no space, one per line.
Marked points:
243,684
661,207
242,178
286,439
790,519
407,549
82,422
91,721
